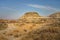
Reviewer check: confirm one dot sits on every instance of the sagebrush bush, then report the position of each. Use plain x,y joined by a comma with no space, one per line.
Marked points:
3,26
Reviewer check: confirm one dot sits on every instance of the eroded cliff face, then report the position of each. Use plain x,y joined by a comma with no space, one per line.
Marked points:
31,26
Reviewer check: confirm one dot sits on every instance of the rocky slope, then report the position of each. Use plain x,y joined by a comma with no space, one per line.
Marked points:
47,32
31,26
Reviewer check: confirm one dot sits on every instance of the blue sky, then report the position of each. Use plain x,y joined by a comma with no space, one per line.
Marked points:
13,9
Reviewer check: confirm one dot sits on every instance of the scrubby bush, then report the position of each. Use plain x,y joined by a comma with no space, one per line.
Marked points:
3,26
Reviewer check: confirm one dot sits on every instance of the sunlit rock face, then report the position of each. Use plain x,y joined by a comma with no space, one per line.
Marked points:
31,26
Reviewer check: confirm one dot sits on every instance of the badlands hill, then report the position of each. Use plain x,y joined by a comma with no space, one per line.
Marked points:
31,14
31,26
57,14
29,17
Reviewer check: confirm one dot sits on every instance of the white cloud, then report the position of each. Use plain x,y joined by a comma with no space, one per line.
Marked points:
42,7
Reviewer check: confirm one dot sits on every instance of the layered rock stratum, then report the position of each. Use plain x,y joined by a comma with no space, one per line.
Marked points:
31,26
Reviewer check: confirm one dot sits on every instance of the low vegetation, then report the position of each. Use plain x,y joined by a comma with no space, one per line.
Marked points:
3,26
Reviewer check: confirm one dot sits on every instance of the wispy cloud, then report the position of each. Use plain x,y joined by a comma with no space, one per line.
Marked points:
42,7
8,8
